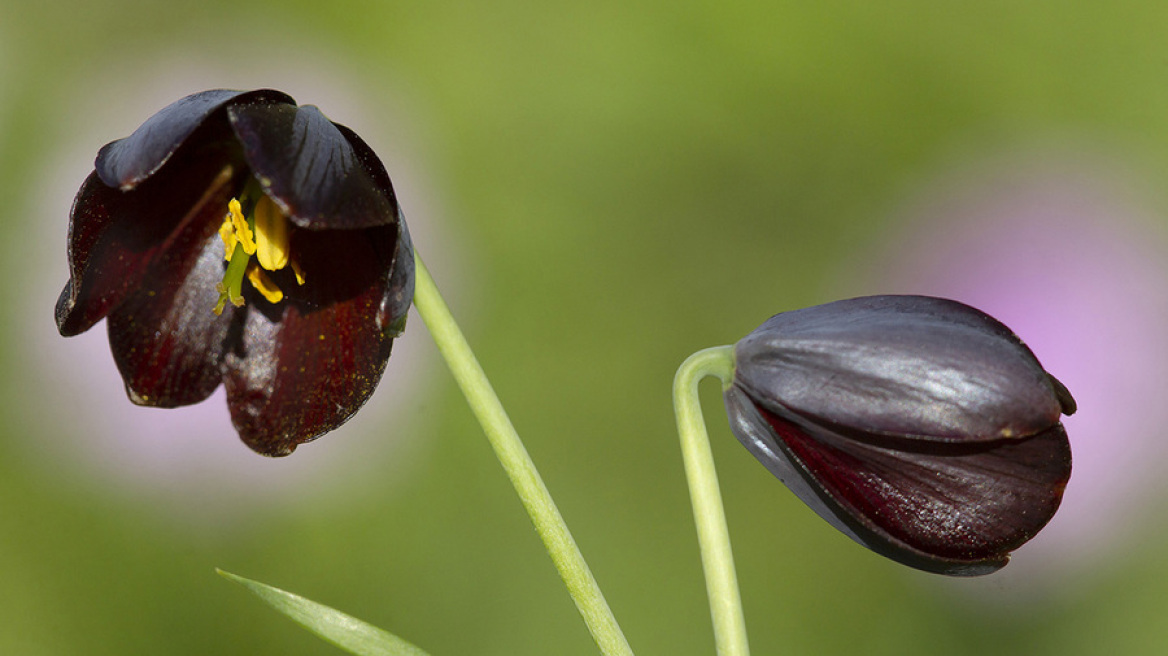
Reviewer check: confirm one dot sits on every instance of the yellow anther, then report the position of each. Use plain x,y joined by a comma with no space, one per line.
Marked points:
263,284
271,229
236,231
227,234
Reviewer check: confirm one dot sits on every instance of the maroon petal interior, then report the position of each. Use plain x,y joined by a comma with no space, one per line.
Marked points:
165,338
115,236
967,502
310,362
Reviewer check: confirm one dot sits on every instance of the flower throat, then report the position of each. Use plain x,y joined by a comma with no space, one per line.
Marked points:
255,226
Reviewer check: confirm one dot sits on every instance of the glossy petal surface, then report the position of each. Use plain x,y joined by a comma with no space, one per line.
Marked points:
910,366
309,168
919,427
167,343
126,162
307,370
949,508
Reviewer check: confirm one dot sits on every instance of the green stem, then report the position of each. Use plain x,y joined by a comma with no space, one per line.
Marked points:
518,465
706,498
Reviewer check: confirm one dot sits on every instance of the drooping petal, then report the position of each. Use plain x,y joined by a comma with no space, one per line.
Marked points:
306,366
956,510
114,236
370,162
950,508
126,162
309,167
165,338
759,438
913,366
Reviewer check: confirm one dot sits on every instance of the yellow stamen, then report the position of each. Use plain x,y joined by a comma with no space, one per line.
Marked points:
264,235
298,271
264,284
271,229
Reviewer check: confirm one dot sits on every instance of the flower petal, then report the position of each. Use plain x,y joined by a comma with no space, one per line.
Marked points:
309,167
308,364
913,366
126,162
757,436
114,236
399,290
950,508
371,163
165,339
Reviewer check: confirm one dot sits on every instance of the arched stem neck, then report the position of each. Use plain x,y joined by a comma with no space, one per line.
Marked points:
706,496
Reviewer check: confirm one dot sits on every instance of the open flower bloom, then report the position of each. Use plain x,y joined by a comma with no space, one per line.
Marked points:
922,428
238,238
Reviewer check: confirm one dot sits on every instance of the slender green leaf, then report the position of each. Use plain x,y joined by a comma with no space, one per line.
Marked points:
344,631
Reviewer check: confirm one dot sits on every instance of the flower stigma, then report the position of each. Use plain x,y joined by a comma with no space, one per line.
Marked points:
264,233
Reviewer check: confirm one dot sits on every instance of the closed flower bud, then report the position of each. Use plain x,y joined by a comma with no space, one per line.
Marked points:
920,427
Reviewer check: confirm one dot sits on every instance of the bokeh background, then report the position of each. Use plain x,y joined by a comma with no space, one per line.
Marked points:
601,188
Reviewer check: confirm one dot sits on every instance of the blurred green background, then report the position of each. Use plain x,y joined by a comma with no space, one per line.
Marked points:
600,188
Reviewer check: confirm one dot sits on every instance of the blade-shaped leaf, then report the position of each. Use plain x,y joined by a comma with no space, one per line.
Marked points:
344,631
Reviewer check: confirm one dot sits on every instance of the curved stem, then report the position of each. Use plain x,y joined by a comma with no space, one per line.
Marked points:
518,464
706,498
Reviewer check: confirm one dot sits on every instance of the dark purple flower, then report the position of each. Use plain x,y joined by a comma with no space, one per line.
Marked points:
920,427
238,238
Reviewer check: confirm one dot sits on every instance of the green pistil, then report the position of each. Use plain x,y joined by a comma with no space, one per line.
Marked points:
231,289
